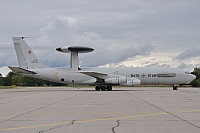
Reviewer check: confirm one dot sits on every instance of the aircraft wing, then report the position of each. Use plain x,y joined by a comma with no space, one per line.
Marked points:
19,70
99,76
95,74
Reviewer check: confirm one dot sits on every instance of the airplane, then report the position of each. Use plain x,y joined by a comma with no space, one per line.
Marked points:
102,78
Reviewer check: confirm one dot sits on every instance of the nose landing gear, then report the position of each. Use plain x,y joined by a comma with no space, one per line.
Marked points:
175,87
103,88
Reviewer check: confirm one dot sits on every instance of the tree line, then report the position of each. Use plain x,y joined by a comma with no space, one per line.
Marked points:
19,80
196,82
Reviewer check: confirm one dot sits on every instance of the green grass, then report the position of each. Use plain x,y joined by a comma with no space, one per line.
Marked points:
79,86
7,87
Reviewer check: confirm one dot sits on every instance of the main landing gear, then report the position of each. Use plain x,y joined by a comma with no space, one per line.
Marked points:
103,88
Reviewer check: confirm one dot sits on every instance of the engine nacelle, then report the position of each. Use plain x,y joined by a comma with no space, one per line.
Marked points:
133,82
116,81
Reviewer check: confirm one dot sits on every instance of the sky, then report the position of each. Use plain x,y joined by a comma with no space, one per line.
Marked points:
128,33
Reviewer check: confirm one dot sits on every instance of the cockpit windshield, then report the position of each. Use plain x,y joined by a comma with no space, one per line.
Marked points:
187,72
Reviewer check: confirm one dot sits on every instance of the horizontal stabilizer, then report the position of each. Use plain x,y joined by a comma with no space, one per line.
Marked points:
19,70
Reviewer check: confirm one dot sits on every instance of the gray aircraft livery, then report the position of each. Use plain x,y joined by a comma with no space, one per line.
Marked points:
102,78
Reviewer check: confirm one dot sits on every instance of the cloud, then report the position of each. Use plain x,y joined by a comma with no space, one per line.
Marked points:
63,32
118,30
189,67
185,66
189,53
60,30
7,54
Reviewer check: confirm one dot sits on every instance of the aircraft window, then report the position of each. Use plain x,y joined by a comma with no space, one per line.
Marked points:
187,72
166,75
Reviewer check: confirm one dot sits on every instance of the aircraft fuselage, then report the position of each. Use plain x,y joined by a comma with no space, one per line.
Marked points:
147,75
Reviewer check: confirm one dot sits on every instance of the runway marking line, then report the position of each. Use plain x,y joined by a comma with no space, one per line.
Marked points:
189,111
94,120
46,113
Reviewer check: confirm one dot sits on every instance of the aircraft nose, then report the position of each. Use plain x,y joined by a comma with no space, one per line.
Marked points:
193,77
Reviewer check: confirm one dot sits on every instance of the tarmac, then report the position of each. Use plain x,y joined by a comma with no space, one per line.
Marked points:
84,110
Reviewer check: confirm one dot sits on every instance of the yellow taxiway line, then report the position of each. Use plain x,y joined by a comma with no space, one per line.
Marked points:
94,120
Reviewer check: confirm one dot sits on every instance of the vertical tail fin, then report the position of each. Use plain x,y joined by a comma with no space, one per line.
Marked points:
26,57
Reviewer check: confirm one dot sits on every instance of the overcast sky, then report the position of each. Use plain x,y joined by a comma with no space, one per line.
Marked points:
123,33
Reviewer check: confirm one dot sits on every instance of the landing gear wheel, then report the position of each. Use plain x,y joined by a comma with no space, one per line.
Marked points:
103,88
175,87
98,88
109,88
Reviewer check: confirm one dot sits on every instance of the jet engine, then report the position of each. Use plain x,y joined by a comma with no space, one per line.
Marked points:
116,81
133,82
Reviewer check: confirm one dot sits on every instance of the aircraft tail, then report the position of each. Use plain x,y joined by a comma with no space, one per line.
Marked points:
26,57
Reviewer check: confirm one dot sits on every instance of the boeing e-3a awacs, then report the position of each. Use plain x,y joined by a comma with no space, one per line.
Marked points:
102,78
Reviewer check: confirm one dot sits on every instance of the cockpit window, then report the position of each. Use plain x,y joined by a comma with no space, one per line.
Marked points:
166,75
187,72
